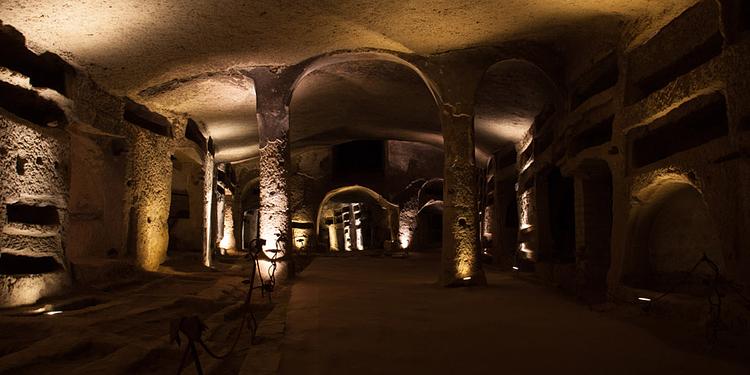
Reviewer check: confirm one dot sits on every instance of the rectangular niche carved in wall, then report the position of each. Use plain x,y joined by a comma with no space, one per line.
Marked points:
696,122
36,215
12,264
689,41
601,77
598,134
28,105
141,116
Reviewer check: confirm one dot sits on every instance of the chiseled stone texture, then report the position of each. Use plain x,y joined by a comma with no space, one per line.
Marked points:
149,193
407,216
34,172
274,197
208,188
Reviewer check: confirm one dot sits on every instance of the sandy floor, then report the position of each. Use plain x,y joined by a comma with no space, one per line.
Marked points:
124,328
366,315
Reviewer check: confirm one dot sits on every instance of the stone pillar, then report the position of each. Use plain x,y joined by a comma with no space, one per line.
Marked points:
273,133
150,187
227,241
461,264
408,221
208,197
219,220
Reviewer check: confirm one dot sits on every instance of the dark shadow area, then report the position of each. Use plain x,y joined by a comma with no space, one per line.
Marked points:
37,215
701,125
596,135
45,70
600,78
194,134
29,106
141,116
11,264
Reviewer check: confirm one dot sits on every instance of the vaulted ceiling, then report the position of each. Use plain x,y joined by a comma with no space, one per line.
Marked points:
183,56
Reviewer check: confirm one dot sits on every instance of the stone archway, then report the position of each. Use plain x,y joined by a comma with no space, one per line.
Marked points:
392,210
670,229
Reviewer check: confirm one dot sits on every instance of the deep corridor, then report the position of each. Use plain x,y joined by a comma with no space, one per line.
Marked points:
361,315
499,186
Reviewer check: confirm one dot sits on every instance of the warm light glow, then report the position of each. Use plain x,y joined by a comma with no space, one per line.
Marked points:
392,210
360,241
55,312
347,239
515,268
525,208
524,248
404,239
467,278
274,220
333,238
644,299
301,237
208,196
39,310
227,240
407,221
527,164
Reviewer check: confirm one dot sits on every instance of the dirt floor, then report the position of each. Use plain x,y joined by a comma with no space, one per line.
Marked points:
363,315
349,315
122,326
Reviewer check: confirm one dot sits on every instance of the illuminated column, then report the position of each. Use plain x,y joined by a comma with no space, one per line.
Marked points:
408,221
227,241
208,197
150,186
352,227
273,133
460,256
219,220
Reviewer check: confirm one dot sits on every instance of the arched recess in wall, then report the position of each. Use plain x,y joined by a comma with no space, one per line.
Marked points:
365,97
364,105
362,98
344,57
431,190
358,194
670,228
514,101
428,234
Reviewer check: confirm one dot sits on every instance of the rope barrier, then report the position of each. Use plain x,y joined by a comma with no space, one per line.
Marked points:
192,327
715,296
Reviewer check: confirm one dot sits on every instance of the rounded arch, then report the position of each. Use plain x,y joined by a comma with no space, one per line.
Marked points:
431,188
428,234
390,208
512,95
348,96
345,56
670,229
432,205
